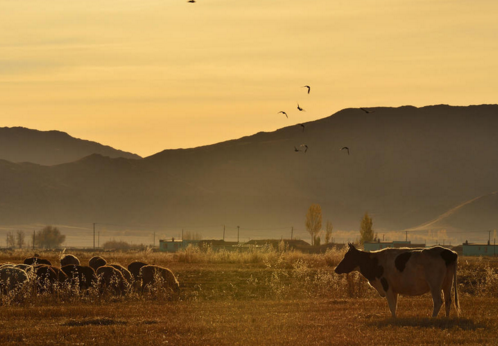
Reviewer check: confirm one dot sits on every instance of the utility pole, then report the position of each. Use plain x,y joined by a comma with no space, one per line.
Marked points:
223,232
94,235
34,235
406,239
292,232
98,239
238,232
154,242
489,238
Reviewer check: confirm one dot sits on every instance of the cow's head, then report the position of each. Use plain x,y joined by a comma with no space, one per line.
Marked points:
350,261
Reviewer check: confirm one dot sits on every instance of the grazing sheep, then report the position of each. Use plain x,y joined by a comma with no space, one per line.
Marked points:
111,278
36,260
46,278
27,268
62,277
96,262
69,259
12,278
151,273
126,273
85,275
134,268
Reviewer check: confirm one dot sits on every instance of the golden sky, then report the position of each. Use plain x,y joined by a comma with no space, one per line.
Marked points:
144,76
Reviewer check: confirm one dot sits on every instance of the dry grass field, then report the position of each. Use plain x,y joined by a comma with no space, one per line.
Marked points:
267,297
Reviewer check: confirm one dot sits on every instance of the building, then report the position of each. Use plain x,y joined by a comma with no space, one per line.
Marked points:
174,245
392,244
472,249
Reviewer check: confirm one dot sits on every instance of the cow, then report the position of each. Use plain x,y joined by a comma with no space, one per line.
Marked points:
151,274
405,271
96,262
134,268
69,259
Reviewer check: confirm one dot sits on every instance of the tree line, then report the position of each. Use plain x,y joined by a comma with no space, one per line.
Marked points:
48,237
314,227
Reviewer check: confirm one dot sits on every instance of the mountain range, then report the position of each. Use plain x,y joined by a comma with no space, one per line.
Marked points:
410,168
19,144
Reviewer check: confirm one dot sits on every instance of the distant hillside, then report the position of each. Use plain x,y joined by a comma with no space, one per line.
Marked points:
407,166
19,144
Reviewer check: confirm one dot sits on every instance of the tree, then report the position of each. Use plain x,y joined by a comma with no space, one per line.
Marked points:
328,232
11,242
49,237
20,239
366,231
314,221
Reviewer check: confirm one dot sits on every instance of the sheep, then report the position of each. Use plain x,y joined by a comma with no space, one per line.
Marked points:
111,278
134,268
36,260
151,273
96,262
126,273
69,259
12,278
85,275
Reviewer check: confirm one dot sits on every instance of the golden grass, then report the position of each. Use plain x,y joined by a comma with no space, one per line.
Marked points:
268,298
255,322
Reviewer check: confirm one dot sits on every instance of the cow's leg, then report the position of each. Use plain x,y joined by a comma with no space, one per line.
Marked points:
438,300
448,281
392,300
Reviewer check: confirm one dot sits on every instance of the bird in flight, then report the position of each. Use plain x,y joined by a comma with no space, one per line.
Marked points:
296,149
191,1
366,110
309,88
299,108
345,148
284,114
305,146
302,125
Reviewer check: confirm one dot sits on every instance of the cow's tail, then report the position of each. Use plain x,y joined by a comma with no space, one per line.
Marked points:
455,285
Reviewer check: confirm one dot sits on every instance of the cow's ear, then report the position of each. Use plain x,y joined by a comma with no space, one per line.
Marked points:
351,246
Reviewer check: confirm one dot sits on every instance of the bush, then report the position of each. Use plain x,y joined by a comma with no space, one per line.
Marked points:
116,245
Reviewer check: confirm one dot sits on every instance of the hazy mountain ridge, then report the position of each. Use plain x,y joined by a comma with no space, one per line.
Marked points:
406,166
19,144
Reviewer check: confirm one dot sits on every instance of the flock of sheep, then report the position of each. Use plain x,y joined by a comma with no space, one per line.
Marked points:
98,274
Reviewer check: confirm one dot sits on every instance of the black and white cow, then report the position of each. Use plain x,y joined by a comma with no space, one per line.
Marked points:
411,272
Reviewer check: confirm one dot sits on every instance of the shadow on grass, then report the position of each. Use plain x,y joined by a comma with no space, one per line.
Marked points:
426,322
92,322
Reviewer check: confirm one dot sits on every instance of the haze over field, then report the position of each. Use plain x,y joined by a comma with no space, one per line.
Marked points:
417,169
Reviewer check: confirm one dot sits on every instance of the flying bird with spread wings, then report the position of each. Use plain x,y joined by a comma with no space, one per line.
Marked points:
300,109
305,146
191,1
302,125
309,88
296,149
345,148
284,113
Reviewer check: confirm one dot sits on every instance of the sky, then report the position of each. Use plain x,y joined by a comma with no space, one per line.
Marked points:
144,75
